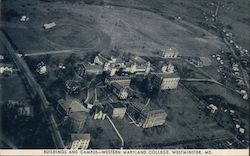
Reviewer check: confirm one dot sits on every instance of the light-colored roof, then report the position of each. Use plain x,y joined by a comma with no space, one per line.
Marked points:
167,75
79,116
73,104
79,136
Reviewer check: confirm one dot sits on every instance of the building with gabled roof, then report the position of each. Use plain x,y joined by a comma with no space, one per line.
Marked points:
122,80
119,90
88,69
70,105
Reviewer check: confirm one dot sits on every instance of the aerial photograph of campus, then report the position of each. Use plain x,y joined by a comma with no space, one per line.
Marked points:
124,74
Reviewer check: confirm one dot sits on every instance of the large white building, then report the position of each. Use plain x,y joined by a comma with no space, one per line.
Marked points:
146,117
165,81
166,77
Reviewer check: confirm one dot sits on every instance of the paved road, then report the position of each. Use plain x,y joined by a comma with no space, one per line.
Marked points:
7,141
75,50
117,132
35,88
201,80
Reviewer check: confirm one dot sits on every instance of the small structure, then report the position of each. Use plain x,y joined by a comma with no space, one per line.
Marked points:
76,120
25,111
169,68
116,110
6,69
99,115
79,141
24,19
212,108
244,94
41,68
241,130
21,108
49,25
169,53
61,66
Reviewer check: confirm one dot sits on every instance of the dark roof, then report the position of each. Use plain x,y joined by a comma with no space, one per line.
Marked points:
117,105
155,113
79,136
167,75
74,105
118,86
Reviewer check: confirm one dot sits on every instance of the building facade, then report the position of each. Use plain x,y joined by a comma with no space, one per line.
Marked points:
123,80
116,110
153,118
79,141
76,121
165,81
169,53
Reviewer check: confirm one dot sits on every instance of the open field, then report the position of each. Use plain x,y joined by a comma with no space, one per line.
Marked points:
103,28
12,88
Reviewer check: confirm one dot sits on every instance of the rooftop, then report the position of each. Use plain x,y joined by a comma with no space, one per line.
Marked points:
167,75
117,105
118,86
155,113
73,104
79,136
79,116
89,66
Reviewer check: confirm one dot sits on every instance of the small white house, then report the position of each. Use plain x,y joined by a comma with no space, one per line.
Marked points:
49,25
212,108
24,19
41,68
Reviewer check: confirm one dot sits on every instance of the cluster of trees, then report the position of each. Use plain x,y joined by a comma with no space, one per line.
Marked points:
146,87
7,15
